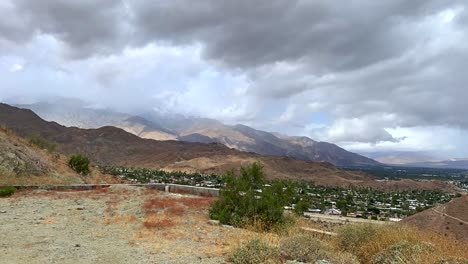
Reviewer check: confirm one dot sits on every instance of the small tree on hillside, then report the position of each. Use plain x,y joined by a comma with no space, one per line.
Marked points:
79,163
241,203
42,143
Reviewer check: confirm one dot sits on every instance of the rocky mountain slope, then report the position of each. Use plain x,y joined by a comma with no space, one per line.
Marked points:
153,125
22,163
114,146
449,219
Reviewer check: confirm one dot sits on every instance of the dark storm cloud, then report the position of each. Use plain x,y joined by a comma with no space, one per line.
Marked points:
370,65
86,27
328,35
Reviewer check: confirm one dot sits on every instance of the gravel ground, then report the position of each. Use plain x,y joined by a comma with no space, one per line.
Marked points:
115,225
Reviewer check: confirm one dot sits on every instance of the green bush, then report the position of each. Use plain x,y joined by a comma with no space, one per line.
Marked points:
79,163
255,252
241,204
42,143
7,191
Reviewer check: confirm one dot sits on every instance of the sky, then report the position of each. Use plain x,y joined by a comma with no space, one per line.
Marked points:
367,75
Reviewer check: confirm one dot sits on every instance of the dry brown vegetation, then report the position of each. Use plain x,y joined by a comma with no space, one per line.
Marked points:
450,219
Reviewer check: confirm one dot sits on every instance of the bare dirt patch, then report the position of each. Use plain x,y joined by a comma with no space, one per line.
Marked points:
111,226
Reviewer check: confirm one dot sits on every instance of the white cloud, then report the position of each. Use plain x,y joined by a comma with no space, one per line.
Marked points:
16,67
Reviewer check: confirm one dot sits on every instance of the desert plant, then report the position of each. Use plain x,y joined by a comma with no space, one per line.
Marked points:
350,238
42,143
403,252
241,203
303,248
7,191
79,163
255,252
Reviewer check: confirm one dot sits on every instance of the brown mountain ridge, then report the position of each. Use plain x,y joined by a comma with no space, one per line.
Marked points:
114,146
159,126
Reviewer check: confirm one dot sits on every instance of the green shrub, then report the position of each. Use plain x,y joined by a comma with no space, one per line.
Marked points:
255,252
79,163
7,191
241,204
42,143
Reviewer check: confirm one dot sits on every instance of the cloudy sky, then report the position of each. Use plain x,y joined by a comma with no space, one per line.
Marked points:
368,75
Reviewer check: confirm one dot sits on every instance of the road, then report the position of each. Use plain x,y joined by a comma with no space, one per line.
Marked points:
342,219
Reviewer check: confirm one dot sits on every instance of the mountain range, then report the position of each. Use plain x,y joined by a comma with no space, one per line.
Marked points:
161,126
114,146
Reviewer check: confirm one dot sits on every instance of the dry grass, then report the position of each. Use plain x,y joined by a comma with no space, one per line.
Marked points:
366,242
158,221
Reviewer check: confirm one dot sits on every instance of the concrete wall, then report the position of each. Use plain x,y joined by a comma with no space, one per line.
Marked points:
201,191
174,188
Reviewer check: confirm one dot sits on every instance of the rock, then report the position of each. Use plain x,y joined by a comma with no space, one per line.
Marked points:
77,245
80,208
228,226
3,212
213,222
322,261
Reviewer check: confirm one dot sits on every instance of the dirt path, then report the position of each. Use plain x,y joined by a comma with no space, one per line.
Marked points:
449,216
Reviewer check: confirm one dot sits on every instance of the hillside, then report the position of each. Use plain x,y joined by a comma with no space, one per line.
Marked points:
153,125
449,219
22,163
114,146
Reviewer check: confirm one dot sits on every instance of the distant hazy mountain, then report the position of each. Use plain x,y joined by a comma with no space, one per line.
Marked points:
401,157
416,159
153,125
446,164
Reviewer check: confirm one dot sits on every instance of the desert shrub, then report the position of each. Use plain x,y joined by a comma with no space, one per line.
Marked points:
79,163
304,248
255,252
7,191
402,253
42,143
241,204
352,237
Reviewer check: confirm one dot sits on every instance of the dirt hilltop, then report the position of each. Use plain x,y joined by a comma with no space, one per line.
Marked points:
450,219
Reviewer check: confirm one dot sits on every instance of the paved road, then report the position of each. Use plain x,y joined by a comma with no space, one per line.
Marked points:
342,219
